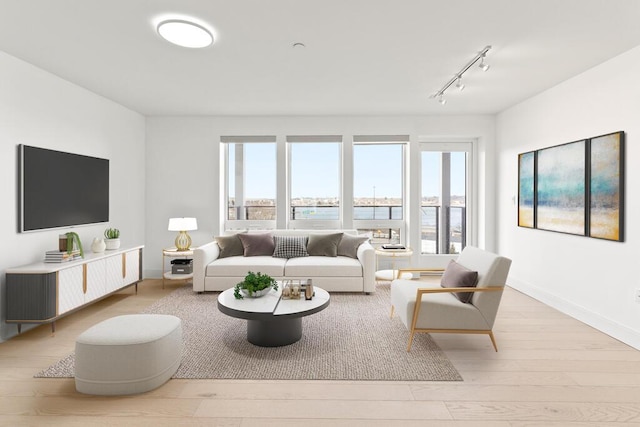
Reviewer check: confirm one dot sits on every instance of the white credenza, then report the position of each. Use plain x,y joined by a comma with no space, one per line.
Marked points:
44,292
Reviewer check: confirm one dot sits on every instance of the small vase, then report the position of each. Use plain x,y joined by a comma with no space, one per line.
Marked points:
112,244
98,245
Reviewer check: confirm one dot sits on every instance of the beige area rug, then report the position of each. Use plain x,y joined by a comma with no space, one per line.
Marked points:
352,339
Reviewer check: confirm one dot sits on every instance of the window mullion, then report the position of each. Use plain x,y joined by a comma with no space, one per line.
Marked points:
239,182
282,183
346,199
445,202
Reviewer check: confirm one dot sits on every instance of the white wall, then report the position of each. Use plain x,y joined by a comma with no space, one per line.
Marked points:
40,109
183,158
593,280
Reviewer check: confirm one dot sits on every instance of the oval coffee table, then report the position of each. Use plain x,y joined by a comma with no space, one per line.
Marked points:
271,320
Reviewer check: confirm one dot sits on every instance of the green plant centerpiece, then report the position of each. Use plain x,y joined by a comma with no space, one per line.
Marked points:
255,285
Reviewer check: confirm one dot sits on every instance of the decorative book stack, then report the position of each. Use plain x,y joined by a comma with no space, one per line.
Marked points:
61,256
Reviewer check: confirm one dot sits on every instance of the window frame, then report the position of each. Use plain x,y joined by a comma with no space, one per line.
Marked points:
244,224
384,224
471,217
327,224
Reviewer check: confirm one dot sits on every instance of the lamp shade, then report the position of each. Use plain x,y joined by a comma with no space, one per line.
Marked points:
182,224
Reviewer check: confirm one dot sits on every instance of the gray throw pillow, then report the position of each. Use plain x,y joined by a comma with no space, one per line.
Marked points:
229,246
324,244
257,244
458,276
349,245
290,246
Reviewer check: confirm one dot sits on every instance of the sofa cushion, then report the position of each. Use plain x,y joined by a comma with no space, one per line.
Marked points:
239,266
322,266
324,244
459,276
257,244
290,246
229,246
349,245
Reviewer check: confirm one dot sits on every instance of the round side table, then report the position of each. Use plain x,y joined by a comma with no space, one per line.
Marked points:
174,253
389,275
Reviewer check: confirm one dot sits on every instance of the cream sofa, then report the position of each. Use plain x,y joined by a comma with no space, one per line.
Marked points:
334,274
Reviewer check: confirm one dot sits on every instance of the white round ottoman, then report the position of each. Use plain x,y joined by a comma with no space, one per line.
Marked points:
128,354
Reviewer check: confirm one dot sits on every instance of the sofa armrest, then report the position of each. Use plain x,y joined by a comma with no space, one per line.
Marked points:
202,257
367,257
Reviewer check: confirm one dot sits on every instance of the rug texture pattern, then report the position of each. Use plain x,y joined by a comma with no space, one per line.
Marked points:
352,339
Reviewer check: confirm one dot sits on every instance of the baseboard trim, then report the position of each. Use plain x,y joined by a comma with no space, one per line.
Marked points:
595,320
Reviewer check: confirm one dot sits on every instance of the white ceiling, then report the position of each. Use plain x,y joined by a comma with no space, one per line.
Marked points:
362,56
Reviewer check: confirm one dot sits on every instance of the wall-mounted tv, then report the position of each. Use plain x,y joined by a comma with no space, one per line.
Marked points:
59,189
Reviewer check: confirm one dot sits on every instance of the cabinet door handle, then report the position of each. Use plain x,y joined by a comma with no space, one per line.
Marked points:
84,278
57,293
124,265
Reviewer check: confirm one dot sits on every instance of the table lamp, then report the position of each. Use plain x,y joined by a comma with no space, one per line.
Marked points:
182,225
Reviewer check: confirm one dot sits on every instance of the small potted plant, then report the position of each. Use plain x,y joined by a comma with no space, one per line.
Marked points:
255,285
112,238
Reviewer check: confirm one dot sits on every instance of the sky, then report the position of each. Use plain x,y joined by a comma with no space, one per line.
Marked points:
315,170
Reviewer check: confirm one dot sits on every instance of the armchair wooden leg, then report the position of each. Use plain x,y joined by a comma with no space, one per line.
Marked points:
410,341
392,309
493,341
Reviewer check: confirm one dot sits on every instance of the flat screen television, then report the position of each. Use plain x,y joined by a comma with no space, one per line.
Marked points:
59,189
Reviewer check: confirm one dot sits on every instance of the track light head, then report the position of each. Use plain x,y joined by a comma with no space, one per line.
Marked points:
483,66
441,99
459,84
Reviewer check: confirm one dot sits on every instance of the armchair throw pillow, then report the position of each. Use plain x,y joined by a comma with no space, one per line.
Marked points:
459,276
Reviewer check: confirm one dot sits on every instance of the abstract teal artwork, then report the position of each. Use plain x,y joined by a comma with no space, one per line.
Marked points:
561,188
526,189
574,188
606,187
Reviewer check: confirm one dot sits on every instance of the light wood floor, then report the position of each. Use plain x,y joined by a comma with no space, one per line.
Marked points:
551,371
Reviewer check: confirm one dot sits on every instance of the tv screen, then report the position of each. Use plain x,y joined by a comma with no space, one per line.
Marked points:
60,189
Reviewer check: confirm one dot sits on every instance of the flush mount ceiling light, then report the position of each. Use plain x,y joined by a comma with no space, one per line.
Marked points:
185,33
457,78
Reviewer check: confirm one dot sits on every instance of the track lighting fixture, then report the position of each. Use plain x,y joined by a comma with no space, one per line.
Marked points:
483,66
457,78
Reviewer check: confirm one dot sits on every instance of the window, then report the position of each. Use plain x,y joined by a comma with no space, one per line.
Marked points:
443,206
303,182
314,180
251,182
378,187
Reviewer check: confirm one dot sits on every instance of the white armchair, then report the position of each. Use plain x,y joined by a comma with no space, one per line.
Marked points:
439,310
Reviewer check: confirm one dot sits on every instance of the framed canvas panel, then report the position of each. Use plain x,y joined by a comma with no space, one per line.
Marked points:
606,187
526,189
560,188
